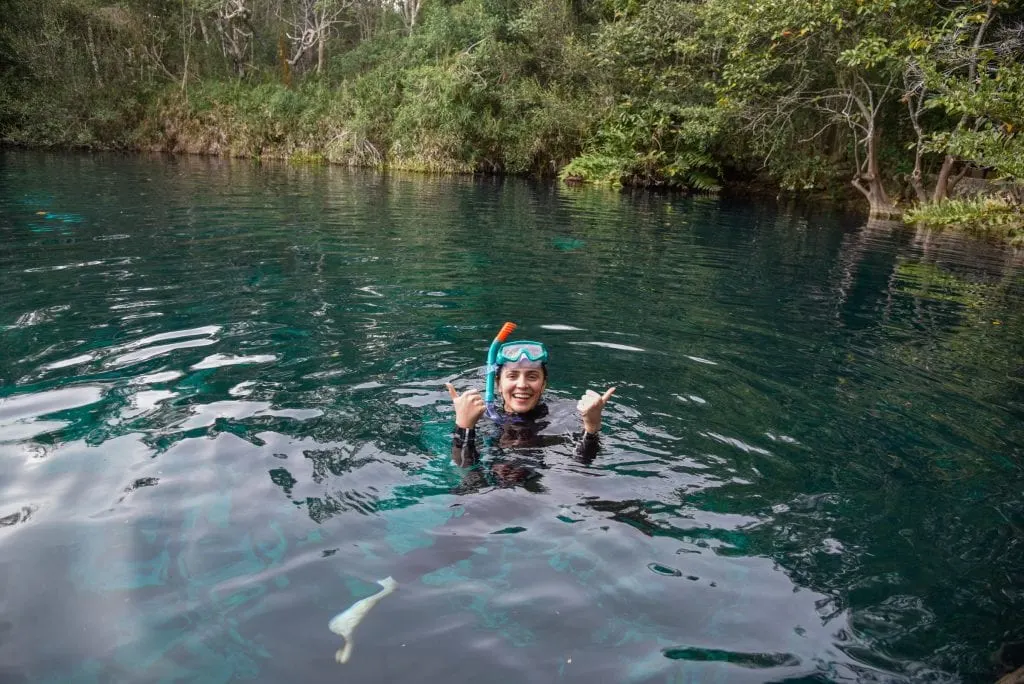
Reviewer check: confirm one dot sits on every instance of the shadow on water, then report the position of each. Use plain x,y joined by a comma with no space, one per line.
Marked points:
222,418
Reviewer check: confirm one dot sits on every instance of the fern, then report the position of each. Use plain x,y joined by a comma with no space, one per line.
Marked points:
990,216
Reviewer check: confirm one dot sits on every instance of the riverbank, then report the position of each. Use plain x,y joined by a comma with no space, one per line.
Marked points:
996,216
650,93
314,123
986,217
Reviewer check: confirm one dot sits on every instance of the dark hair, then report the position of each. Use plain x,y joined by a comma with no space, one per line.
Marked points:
543,368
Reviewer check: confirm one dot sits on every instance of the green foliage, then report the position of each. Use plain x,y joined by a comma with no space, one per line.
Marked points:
989,216
652,146
593,167
463,93
74,73
663,127
994,103
646,92
266,120
990,145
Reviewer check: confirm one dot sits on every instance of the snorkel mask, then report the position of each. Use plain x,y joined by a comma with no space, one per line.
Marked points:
518,352
502,352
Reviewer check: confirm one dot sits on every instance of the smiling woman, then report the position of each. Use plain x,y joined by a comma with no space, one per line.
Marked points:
522,376
521,385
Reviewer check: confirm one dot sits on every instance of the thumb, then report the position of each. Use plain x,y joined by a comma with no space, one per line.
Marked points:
607,395
451,391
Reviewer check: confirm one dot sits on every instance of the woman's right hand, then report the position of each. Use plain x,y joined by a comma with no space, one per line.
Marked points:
469,406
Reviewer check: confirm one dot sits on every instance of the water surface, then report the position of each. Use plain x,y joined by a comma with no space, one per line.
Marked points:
222,418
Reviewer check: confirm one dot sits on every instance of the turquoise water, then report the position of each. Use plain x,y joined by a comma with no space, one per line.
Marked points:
222,419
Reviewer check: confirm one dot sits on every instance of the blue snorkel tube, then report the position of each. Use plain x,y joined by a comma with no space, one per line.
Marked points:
492,368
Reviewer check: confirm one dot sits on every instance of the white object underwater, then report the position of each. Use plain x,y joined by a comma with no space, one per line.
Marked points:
344,623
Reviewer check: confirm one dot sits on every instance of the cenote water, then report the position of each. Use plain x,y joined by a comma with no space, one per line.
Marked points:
223,419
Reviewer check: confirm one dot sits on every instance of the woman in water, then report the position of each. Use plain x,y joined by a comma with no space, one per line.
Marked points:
521,377
521,373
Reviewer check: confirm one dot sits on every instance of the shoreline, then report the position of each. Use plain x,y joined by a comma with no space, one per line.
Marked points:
736,189
842,200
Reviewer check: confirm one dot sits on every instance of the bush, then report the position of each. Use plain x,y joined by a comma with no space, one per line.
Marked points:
988,216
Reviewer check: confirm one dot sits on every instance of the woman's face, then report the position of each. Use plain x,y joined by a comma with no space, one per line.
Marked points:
521,387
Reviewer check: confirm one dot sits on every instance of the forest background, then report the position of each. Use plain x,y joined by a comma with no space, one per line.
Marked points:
915,107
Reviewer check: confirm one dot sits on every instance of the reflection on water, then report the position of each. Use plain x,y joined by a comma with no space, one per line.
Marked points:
223,418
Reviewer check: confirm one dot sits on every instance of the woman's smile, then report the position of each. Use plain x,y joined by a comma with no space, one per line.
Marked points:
521,387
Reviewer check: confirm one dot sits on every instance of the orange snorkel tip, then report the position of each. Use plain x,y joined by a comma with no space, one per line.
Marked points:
505,331
492,355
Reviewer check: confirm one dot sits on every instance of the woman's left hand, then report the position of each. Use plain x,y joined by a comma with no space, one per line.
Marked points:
590,407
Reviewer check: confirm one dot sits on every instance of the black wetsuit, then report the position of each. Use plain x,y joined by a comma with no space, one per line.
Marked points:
519,441
515,455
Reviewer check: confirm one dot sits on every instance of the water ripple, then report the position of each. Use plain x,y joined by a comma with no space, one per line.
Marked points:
223,417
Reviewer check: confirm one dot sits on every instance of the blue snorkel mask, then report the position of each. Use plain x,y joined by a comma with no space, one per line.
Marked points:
501,353
521,351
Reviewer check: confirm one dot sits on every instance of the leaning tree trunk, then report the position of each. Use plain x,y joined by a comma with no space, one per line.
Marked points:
942,182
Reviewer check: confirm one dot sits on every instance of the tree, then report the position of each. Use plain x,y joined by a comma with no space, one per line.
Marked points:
967,70
408,10
367,14
312,22
232,18
794,71
661,126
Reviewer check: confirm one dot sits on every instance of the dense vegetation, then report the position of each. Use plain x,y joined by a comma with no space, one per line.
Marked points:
900,99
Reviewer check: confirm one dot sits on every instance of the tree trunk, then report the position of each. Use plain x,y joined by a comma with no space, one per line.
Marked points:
320,50
917,183
366,17
915,105
942,183
91,46
282,58
869,182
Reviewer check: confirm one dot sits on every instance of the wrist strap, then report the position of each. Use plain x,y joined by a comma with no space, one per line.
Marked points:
462,436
